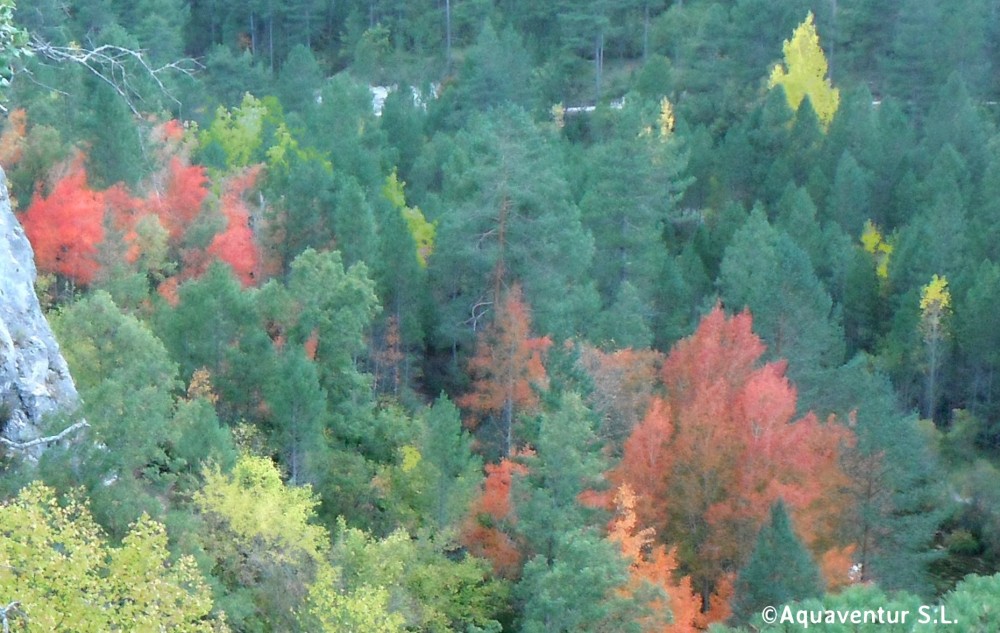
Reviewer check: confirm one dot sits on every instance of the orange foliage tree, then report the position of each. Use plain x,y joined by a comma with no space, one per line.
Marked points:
710,458
654,566
12,140
483,532
66,226
507,368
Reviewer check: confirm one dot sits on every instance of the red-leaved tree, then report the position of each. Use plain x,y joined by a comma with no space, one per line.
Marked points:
179,196
236,244
65,227
710,458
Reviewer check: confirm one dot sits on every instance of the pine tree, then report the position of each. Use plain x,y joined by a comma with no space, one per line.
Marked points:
896,483
573,579
454,471
779,571
766,272
513,220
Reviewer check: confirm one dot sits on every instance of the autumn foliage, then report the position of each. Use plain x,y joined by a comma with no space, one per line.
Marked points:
236,245
482,533
179,198
653,565
623,385
12,140
710,458
507,367
66,226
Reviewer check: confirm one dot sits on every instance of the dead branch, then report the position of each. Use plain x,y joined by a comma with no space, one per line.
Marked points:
114,66
38,441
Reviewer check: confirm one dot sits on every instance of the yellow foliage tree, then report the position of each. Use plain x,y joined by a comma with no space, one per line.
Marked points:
666,118
935,308
875,244
804,73
60,574
423,232
261,539
237,132
255,509
363,611
935,302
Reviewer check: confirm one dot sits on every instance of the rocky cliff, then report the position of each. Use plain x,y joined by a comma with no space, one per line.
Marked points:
34,379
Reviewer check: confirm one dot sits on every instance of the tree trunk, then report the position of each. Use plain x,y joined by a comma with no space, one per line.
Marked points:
253,36
270,36
598,64
645,32
930,396
508,425
447,35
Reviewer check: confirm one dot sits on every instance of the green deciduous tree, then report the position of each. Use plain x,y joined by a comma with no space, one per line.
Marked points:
126,380
427,587
263,545
64,575
365,610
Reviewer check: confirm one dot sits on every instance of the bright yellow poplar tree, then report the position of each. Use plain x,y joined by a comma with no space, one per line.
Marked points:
876,245
935,308
804,73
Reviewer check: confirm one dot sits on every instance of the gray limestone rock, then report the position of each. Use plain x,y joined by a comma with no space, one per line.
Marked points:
34,379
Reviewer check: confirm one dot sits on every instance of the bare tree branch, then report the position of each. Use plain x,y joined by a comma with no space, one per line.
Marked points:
114,66
38,441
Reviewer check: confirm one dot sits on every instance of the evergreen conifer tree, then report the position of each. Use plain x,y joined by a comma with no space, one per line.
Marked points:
779,571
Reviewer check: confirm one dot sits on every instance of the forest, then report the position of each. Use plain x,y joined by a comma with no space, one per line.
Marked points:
624,316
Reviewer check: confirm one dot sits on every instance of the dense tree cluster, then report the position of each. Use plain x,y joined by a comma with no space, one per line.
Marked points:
614,315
